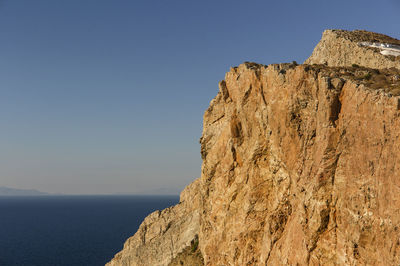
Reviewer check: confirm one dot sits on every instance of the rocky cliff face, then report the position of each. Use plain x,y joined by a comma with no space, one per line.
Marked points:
300,166
345,48
167,237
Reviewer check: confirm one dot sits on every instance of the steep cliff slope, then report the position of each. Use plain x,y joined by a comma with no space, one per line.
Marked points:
300,166
168,235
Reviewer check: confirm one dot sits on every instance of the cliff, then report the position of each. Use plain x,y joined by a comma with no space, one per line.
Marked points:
300,166
168,235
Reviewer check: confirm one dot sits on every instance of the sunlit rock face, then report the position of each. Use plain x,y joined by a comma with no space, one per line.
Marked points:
300,167
345,48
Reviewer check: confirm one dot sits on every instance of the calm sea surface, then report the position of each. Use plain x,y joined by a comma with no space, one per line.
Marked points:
70,230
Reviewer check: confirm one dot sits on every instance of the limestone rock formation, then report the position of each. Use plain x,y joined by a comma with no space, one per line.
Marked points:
166,235
346,48
301,166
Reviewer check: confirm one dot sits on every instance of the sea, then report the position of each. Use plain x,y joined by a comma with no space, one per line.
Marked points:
70,230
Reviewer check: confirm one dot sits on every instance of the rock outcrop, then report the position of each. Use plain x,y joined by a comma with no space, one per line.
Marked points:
167,236
301,166
346,48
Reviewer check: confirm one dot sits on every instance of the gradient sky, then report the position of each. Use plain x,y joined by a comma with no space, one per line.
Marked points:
107,96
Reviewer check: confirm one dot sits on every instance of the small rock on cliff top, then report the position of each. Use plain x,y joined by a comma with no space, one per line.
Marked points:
345,48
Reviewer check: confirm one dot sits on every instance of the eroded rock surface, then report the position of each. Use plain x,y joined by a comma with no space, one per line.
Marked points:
164,235
346,48
301,166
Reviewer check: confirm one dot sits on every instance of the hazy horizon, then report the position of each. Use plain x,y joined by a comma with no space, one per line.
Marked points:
9,191
107,97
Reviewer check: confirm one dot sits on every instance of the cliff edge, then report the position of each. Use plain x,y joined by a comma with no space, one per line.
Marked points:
300,166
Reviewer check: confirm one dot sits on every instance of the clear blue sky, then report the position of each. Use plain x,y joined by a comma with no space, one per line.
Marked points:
101,96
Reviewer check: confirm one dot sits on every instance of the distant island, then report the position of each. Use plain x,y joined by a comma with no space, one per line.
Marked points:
6,191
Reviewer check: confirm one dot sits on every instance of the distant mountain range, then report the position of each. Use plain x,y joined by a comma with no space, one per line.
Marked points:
6,191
